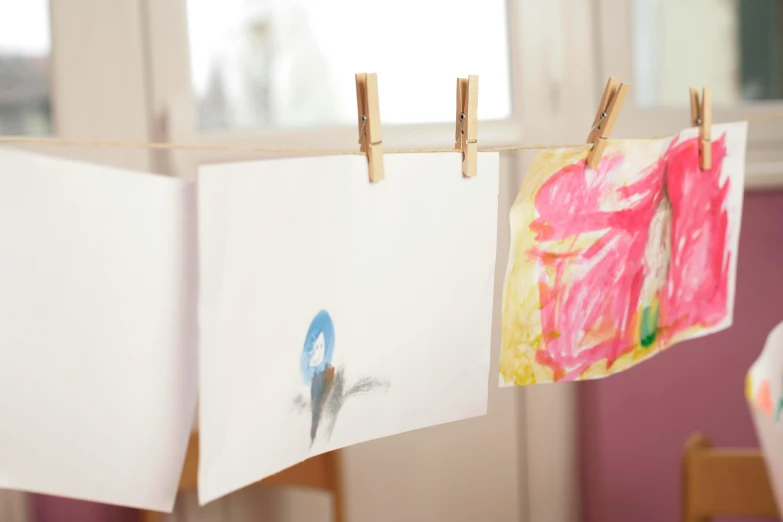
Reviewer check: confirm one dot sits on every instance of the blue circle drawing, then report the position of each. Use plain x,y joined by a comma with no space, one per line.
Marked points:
318,346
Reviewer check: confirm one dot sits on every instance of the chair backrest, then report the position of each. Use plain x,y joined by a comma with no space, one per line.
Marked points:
319,472
724,482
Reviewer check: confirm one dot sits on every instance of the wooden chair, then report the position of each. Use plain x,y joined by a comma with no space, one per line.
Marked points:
718,482
319,472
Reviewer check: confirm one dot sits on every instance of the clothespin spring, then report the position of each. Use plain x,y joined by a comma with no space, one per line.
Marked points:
370,123
701,116
465,138
361,130
461,126
598,123
608,110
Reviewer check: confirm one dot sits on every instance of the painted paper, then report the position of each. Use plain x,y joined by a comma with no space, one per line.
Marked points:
764,391
97,330
334,311
610,266
764,382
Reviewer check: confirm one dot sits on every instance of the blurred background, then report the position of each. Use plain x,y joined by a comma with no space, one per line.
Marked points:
279,73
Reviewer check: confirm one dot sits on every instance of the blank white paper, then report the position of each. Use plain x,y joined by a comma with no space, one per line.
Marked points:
334,311
97,330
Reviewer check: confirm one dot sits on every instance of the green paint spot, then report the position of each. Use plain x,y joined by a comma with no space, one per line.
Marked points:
649,327
780,409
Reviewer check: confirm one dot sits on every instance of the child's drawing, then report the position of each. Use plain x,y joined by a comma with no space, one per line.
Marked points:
612,265
327,384
347,286
764,382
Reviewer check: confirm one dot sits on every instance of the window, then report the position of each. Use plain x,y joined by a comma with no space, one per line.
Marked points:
662,47
735,47
290,63
25,100
280,73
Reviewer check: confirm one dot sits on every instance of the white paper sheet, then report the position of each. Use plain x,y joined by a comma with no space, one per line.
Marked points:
764,385
97,330
764,391
404,270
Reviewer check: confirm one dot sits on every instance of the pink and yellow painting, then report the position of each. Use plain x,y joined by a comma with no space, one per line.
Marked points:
612,265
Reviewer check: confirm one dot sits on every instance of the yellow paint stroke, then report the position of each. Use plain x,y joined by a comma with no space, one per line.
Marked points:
521,322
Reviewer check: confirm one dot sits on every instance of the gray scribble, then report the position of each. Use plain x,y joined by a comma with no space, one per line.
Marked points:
368,385
333,399
300,404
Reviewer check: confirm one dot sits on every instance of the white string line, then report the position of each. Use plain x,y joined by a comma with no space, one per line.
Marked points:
64,142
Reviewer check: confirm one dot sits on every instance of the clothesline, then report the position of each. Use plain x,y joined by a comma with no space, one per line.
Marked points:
64,142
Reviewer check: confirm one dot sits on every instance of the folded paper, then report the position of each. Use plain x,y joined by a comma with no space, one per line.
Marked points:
764,391
612,265
97,330
764,382
335,311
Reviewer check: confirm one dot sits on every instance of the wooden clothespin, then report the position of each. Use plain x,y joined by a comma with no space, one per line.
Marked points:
701,117
467,123
611,102
370,123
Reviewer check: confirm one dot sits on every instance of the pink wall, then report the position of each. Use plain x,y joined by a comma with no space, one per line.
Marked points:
56,509
633,426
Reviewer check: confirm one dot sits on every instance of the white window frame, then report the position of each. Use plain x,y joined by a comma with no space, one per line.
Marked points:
174,108
764,166
91,97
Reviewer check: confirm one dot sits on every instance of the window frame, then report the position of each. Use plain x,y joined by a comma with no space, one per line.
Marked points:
174,107
764,161
92,98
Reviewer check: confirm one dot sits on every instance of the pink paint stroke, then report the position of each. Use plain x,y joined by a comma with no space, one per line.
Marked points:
697,289
589,297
